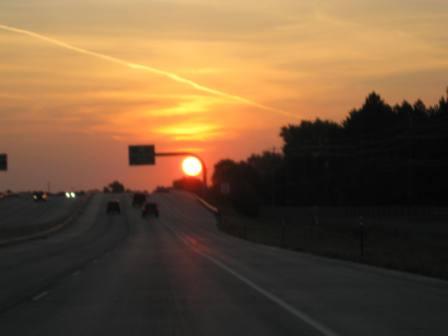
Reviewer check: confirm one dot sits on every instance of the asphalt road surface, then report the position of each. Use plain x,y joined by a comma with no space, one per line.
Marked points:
178,275
22,212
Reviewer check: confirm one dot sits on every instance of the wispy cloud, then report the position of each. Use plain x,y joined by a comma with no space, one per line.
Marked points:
146,68
191,131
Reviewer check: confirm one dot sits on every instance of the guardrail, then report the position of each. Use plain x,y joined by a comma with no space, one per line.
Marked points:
208,206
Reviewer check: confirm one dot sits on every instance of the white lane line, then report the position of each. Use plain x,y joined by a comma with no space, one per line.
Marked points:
39,296
272,297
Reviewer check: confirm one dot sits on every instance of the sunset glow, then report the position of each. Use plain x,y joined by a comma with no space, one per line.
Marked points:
82,79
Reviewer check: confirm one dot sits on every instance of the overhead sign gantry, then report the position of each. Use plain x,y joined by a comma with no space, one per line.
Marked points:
145,155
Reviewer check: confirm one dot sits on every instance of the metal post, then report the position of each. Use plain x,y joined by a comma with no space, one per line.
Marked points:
410,159
204,167
361,236
283,237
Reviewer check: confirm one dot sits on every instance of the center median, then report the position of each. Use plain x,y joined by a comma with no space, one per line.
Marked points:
30,231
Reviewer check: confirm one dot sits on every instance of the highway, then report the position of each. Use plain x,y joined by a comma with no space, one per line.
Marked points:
179,275
20,214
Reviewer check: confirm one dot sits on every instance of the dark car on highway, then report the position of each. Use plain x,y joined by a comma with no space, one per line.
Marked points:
150,209
138,200
113,207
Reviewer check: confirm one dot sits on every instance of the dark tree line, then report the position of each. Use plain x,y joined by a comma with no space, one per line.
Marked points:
191,184
114,187
379,155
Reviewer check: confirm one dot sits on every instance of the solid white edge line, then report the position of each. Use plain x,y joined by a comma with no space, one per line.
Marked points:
290,309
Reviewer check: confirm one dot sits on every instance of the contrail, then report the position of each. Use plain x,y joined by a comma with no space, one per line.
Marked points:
146,68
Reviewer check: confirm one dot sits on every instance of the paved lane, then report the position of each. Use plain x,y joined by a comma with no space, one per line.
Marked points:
348,298
179,275
19,215
27,268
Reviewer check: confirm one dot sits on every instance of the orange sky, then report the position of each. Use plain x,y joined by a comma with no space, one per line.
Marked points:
67,117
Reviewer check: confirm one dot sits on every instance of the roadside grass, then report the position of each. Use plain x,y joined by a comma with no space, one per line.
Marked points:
404,242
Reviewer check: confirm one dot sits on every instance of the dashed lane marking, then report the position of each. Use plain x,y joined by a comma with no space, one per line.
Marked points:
39,296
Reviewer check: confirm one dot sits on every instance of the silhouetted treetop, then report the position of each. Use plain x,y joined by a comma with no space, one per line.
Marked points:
116,187
309,135
267,163
372,119
380,154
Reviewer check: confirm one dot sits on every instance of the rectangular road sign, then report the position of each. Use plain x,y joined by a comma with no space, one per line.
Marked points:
3,162
142,155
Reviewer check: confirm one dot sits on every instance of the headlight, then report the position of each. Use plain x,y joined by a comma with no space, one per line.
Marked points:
73,195
67,194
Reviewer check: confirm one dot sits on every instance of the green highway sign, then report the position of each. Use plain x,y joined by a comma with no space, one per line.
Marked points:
3,162
142,155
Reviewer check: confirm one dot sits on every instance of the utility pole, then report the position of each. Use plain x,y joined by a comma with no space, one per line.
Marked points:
3,162
274,151
410,158
446,99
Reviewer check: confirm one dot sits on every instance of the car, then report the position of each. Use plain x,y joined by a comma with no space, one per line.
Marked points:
113,207
40,196
138,200
70,194
150,209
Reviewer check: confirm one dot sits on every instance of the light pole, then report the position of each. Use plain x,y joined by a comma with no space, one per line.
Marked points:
204,168
145,155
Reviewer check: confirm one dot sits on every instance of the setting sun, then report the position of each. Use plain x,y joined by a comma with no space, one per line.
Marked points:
192,166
